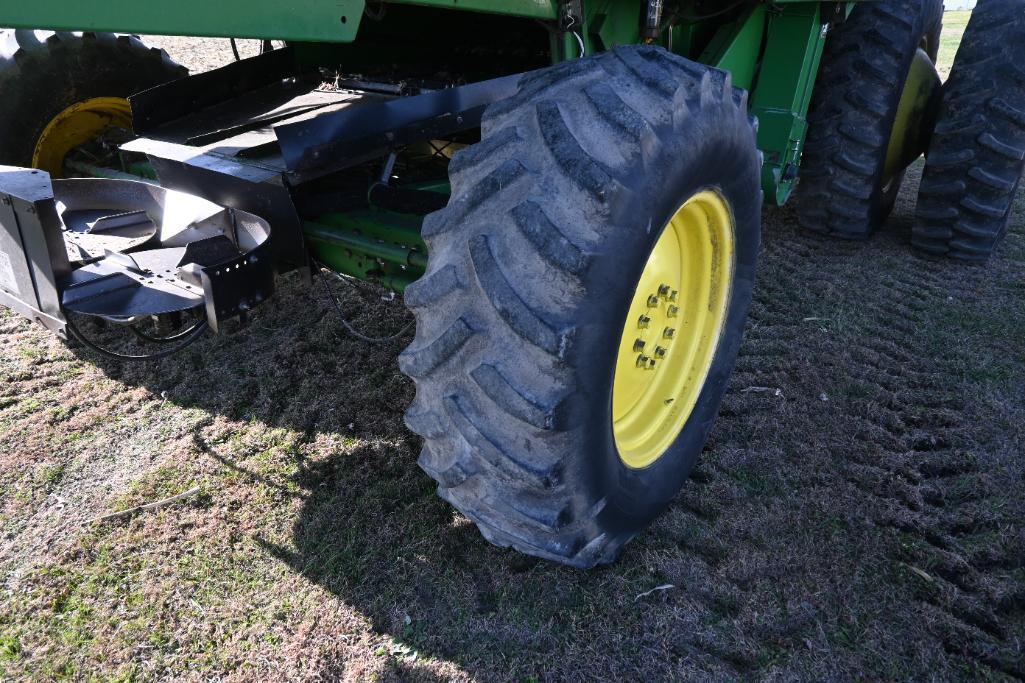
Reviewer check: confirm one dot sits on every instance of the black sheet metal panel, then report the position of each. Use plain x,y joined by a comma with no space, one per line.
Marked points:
251,185
203,256
187,97
236,105
245,136
130,286
331,141
235,286
225,150
32,252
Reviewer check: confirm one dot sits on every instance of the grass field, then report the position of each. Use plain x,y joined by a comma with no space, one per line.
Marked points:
858,512
953,26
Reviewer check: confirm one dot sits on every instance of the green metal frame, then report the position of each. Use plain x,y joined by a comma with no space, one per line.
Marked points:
773,51
531,9
317,20
775,56
370,244
298,20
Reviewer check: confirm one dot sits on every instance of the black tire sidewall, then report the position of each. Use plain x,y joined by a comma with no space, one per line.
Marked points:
931,25
719,157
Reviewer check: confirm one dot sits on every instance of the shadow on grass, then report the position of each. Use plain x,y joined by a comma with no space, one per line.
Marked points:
797,545
371,529
401,556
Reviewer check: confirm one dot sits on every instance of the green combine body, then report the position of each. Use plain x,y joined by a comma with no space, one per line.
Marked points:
771,49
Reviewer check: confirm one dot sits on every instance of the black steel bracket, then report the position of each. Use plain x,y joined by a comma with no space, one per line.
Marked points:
337,140
32,251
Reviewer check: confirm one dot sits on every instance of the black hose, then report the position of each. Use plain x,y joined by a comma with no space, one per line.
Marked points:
347,325
165,340
192,336
234,50
723,10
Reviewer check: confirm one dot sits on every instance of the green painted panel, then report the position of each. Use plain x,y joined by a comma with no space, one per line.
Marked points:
535,9
782,93
736,47
612,23
370,244
313,20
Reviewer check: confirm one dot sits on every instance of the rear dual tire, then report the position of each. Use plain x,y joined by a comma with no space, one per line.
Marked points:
44,73
533,268
845,190
977,156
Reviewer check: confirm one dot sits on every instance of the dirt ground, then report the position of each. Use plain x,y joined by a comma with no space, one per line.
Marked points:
858,513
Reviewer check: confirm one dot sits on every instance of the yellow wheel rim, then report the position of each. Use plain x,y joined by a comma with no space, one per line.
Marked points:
77,125
673,329
909,136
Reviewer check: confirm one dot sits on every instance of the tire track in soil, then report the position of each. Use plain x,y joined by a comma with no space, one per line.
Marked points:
912,452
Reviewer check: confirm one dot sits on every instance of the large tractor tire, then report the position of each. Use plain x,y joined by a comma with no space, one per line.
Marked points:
585,299
871,115
977,155
59,91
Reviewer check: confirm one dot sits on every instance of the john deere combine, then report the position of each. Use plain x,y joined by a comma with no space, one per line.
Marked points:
568,193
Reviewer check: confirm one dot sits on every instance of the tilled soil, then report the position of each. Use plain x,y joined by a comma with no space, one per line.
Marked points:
858,513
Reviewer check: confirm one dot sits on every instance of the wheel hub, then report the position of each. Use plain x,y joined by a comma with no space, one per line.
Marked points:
673,328
77,125
916,112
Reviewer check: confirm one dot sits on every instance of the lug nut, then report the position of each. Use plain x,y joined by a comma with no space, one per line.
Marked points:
638,345
642,361
643,322
669,333
652,301
672,311
660,352
674,295
651,364
663,291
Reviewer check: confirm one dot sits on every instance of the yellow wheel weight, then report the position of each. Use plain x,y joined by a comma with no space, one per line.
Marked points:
673,328
77,125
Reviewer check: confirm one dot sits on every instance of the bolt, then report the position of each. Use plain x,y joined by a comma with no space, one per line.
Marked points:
652,301
638,345
651,364
660,352
672,311
669,333
643,322
674,295
663,291
642,361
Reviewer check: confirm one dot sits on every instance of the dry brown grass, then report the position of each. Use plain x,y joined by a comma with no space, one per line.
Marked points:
875,534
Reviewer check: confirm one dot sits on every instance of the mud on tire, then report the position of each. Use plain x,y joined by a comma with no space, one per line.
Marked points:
532,268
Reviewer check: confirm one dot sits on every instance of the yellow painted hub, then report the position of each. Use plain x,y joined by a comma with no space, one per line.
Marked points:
909,136
77,125
673,328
